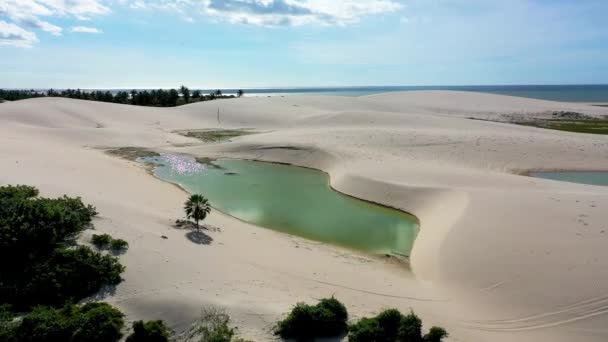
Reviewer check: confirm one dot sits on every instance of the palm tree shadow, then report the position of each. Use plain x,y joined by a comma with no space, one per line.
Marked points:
199,237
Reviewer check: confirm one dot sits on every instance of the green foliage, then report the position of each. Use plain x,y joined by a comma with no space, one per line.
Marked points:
105,241
435,334
155,98
150,331
101,241
118,245
36,234
14,95
392,326
590,126
92,322
305,322
197,208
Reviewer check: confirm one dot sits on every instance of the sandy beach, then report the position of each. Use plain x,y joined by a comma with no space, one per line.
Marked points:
499,256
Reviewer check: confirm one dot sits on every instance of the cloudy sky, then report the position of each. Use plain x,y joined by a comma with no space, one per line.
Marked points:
272,43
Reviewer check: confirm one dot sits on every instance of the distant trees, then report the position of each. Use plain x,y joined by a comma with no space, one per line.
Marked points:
14,95
153,98
197,208
185,93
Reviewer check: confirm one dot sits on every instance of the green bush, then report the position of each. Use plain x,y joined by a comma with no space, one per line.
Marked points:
93,322
101,241
119,245
392,326
305,322
435,334
37,235
150,331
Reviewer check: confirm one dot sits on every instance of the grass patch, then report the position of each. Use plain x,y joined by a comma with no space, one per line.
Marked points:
589,126
132,153
212,326
220,135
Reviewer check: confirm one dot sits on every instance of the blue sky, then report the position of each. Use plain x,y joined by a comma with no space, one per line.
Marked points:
283,43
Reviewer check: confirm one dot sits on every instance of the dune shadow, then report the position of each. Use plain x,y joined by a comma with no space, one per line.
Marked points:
199,237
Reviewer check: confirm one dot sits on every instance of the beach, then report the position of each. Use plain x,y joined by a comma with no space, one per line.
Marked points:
499,256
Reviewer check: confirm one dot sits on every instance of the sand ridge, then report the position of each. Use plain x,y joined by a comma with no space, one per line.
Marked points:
499,257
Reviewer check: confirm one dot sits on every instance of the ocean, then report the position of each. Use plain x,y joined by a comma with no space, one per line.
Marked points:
566,93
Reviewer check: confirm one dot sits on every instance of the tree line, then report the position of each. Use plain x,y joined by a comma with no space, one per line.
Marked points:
153,98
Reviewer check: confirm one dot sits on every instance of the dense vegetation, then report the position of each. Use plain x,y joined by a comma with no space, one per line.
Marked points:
150,331
155,98
305,322
37,234
329,319
48,272
92,322
14,95
392,326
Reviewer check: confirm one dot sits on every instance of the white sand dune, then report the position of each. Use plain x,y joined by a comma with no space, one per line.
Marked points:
499,257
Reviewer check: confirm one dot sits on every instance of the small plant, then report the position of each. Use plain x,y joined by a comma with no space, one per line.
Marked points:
119,245
392,326
212,326
306,322
106,241
101,241
150,331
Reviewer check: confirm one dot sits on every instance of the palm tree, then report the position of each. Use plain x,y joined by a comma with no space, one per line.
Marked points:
197,208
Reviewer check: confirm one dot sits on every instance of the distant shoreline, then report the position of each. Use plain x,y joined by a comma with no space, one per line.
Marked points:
597,94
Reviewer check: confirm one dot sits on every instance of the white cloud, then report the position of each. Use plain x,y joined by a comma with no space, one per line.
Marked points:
29,13
297,12
278,12
11,34
85,29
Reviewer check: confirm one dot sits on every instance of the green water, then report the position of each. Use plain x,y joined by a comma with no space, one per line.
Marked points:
583,177
293,200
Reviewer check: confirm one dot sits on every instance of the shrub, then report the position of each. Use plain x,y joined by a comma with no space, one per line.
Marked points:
69,275
213,326
92,322
305,322
119,245
150,331
101,241
392,326
435,334
36,234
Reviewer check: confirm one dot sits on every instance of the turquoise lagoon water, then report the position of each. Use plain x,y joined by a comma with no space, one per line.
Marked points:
583,177
293,200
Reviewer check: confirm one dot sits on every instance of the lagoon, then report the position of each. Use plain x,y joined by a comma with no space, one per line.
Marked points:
292,200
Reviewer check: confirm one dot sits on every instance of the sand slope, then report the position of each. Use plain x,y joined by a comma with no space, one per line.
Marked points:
499,257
